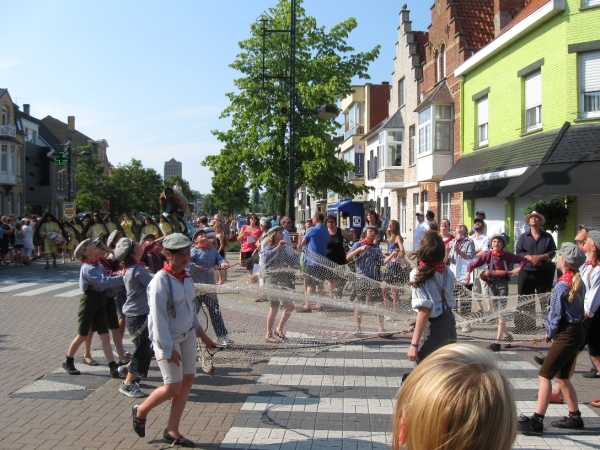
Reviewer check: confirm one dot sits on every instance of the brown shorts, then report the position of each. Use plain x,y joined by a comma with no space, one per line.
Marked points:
565,346
92,312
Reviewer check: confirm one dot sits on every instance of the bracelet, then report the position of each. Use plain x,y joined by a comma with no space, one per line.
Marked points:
414,345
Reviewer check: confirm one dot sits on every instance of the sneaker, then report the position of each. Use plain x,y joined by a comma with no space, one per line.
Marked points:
131,390
538,359
123,371
570,421
224,342
530,425
592,373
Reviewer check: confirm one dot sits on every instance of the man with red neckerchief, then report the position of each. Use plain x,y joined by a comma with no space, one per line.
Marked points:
497,276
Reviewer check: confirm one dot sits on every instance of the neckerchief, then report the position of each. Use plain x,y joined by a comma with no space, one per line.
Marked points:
499,254
567,277
366,242
93,262
439,266
590,262
204,247
180,276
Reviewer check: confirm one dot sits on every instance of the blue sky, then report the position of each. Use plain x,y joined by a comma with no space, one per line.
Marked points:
150,76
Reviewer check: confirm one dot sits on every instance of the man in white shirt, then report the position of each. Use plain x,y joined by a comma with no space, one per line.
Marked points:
420,230
286,223
482,245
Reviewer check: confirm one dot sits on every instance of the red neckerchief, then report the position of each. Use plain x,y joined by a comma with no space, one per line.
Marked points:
499,254
204,247
93,262
590,262
438,266
567,277
180,276
366,242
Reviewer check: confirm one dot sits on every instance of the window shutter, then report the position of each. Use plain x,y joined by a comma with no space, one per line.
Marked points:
533,90
590,71
482,111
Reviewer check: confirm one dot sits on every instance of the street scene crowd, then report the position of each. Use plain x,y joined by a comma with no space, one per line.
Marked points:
141,279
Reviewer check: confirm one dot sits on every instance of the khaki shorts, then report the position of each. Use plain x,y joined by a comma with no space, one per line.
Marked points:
185,344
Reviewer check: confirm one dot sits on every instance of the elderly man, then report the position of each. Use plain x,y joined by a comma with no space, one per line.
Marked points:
286,223
538,248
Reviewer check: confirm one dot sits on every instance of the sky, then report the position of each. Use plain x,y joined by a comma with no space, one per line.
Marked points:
151,76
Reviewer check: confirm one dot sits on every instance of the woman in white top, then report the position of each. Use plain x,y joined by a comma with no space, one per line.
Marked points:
432,285
173,327
27,249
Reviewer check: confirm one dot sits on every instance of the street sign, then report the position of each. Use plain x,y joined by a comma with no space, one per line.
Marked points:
356,221
68,210
105,205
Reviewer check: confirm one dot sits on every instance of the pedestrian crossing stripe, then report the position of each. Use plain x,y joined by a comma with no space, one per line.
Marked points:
41,288
15,287
52,287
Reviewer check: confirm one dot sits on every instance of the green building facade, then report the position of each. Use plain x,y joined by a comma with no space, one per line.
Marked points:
529,100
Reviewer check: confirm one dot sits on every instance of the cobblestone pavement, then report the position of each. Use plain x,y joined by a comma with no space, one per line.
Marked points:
341,398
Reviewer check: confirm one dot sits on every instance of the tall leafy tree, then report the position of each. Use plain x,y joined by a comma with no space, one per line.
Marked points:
90,178
209,207
134,188
256,144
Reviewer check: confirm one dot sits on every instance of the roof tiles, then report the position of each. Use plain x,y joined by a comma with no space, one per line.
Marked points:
476,21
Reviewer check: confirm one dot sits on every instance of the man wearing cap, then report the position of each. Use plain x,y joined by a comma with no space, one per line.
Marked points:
204,257
538,248
96,287
479,215
420,229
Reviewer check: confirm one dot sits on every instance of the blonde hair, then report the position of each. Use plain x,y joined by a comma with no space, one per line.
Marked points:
456,399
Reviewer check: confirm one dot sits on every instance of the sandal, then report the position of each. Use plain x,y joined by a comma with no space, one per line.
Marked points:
280,335
271,340
304,310
595,403
139,430
90,362
181,441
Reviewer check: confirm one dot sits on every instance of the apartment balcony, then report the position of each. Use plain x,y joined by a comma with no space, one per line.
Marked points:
7,130
8,179
354,130
433,166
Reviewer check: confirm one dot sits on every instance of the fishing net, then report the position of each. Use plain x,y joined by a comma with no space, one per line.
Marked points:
345,306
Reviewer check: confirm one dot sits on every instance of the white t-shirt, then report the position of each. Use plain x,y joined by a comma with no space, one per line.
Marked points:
420,230
481,243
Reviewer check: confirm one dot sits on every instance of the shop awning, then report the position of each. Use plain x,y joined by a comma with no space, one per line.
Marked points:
348,206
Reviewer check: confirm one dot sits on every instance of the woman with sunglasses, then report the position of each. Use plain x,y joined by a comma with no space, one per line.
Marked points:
249,236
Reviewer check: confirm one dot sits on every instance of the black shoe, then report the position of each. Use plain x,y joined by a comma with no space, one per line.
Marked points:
495,347
571,422
592,373
530,425
69,367
140,431
181,441
539,360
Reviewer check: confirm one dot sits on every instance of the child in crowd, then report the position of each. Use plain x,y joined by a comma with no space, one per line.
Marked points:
564,328
432,285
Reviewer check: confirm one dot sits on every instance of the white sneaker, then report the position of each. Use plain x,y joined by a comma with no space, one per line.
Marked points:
131,390
224,342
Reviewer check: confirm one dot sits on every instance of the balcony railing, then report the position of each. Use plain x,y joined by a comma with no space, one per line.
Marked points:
358,129
8,179
7,130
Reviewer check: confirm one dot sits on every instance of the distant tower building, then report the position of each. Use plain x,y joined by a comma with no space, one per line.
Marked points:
172,168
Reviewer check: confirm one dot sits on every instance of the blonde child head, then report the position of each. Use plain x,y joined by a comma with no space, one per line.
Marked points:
456,399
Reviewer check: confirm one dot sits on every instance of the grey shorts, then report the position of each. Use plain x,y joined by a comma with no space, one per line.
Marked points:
120,301
313,275
185,344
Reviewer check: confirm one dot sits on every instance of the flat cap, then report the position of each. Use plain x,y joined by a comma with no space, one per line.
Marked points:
123,248
176,241
111,238
81,248
572,255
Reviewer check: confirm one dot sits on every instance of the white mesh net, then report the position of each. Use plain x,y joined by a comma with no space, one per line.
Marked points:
344,306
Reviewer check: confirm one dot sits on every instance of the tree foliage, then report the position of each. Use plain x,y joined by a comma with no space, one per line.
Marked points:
255,147
91,179
554,211
134,188
209,207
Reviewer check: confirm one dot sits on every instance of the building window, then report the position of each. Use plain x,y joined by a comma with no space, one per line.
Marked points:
533,101
446,206
354,120
589,81
411,145
394,144
4,116
61,181
30,135
441,64
482,121
436,57
425,201
381,151
4,158
439,124
401,93
416,202
402,215
591,2
12,161
425,131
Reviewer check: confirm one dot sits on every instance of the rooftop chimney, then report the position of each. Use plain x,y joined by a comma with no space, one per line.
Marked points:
504,12
71,123
26,108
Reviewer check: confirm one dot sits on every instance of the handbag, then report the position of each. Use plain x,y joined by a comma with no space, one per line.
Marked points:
460,269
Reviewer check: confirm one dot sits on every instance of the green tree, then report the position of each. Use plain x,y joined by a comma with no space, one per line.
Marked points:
209,206
230,194
90,178
134,188
256,145
555,212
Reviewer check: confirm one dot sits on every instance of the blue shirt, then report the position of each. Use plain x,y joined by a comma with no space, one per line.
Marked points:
560,307
316,239
368,263
208,259
94,276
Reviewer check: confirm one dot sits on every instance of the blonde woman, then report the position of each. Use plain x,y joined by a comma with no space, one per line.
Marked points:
456,399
